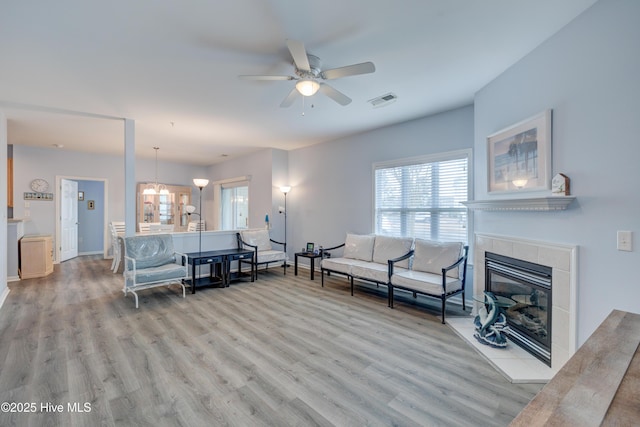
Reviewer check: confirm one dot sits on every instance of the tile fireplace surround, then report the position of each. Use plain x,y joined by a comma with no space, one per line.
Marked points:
515,363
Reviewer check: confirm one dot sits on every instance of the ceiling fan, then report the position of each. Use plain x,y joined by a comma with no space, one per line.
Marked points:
310,76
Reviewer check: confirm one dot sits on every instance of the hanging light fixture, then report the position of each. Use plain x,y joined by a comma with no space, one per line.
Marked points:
307,87
155,188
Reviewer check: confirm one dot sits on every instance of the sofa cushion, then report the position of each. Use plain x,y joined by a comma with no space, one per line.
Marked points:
161,273
271,256
372,271
387,247
426,283
340,265
431,257
259,238
357,246
150,250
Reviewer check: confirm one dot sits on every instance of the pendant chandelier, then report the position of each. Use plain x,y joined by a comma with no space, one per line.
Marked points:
155,188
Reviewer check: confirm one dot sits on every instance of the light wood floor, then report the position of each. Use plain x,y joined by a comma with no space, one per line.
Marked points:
277,352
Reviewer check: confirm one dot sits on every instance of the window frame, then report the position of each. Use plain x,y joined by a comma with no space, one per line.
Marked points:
234,205
239,181
429,158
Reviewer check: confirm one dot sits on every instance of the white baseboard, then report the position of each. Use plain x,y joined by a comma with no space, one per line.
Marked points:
3,297
13,278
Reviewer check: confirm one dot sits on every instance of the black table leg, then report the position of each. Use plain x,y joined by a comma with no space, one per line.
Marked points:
295,265
193,278
313,268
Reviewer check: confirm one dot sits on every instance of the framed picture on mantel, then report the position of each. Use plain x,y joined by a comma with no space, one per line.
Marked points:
519,157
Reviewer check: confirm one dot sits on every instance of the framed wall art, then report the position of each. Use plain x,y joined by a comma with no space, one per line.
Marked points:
519,157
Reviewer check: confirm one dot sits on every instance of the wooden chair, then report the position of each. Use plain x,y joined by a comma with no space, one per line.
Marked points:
160,228
196,226
116,229
145,227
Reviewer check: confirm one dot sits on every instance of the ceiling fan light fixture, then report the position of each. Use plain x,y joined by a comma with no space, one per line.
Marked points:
307,87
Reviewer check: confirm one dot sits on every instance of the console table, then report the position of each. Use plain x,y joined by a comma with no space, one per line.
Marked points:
598,386
219,262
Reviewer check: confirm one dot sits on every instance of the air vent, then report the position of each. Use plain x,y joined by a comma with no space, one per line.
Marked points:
383,100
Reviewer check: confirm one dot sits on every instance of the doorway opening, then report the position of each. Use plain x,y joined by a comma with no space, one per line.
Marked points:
93,209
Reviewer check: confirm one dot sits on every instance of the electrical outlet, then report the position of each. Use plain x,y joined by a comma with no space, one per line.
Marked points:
625,241
27,213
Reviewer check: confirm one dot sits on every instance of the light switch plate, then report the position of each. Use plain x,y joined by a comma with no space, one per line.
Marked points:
625,241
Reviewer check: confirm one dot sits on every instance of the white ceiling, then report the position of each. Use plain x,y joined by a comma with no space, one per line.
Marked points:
70,67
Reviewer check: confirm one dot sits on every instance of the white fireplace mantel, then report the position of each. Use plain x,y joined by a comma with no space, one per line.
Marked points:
552,203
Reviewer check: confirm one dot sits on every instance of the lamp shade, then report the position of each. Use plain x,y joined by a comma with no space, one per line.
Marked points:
200,182
190,209
520,182
307,87
285,188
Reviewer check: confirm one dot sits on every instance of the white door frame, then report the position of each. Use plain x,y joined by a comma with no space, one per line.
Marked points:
105,239
68,192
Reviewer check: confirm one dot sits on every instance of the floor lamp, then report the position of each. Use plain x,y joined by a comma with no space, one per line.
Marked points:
200,183
285,189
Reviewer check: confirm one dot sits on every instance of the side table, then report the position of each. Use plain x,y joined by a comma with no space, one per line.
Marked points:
311,256
219,261
216,262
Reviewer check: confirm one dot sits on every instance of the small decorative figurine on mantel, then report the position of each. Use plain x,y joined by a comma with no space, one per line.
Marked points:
560,185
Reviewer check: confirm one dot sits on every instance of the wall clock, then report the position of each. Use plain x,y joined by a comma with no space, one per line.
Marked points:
39,185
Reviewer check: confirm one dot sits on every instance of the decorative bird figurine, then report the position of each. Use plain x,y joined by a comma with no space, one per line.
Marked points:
490,324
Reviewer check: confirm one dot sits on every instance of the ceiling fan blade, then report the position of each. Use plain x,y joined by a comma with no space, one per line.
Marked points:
334,94
299,55
290,98
349,70
265,77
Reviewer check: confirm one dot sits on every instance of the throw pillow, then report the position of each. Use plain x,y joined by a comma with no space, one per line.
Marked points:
359,247
431,256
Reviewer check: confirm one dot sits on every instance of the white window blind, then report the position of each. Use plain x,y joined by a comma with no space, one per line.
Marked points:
421,198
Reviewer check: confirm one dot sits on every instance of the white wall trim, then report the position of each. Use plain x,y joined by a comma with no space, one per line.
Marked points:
3,297
105,203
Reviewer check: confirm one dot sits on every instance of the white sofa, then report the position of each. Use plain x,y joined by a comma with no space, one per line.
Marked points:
264,252
425,267
437,270
366,257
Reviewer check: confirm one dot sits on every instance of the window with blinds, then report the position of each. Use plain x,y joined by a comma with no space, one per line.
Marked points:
421,197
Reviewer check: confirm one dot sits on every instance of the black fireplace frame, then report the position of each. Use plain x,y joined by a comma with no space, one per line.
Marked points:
529,274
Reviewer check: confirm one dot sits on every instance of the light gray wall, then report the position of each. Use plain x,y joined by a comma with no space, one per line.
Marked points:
259,166
588,74
280,171
333,182
32,162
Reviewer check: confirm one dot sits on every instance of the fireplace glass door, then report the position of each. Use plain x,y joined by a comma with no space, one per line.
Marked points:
528,286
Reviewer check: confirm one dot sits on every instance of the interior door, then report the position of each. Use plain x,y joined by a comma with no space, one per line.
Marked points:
68,219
